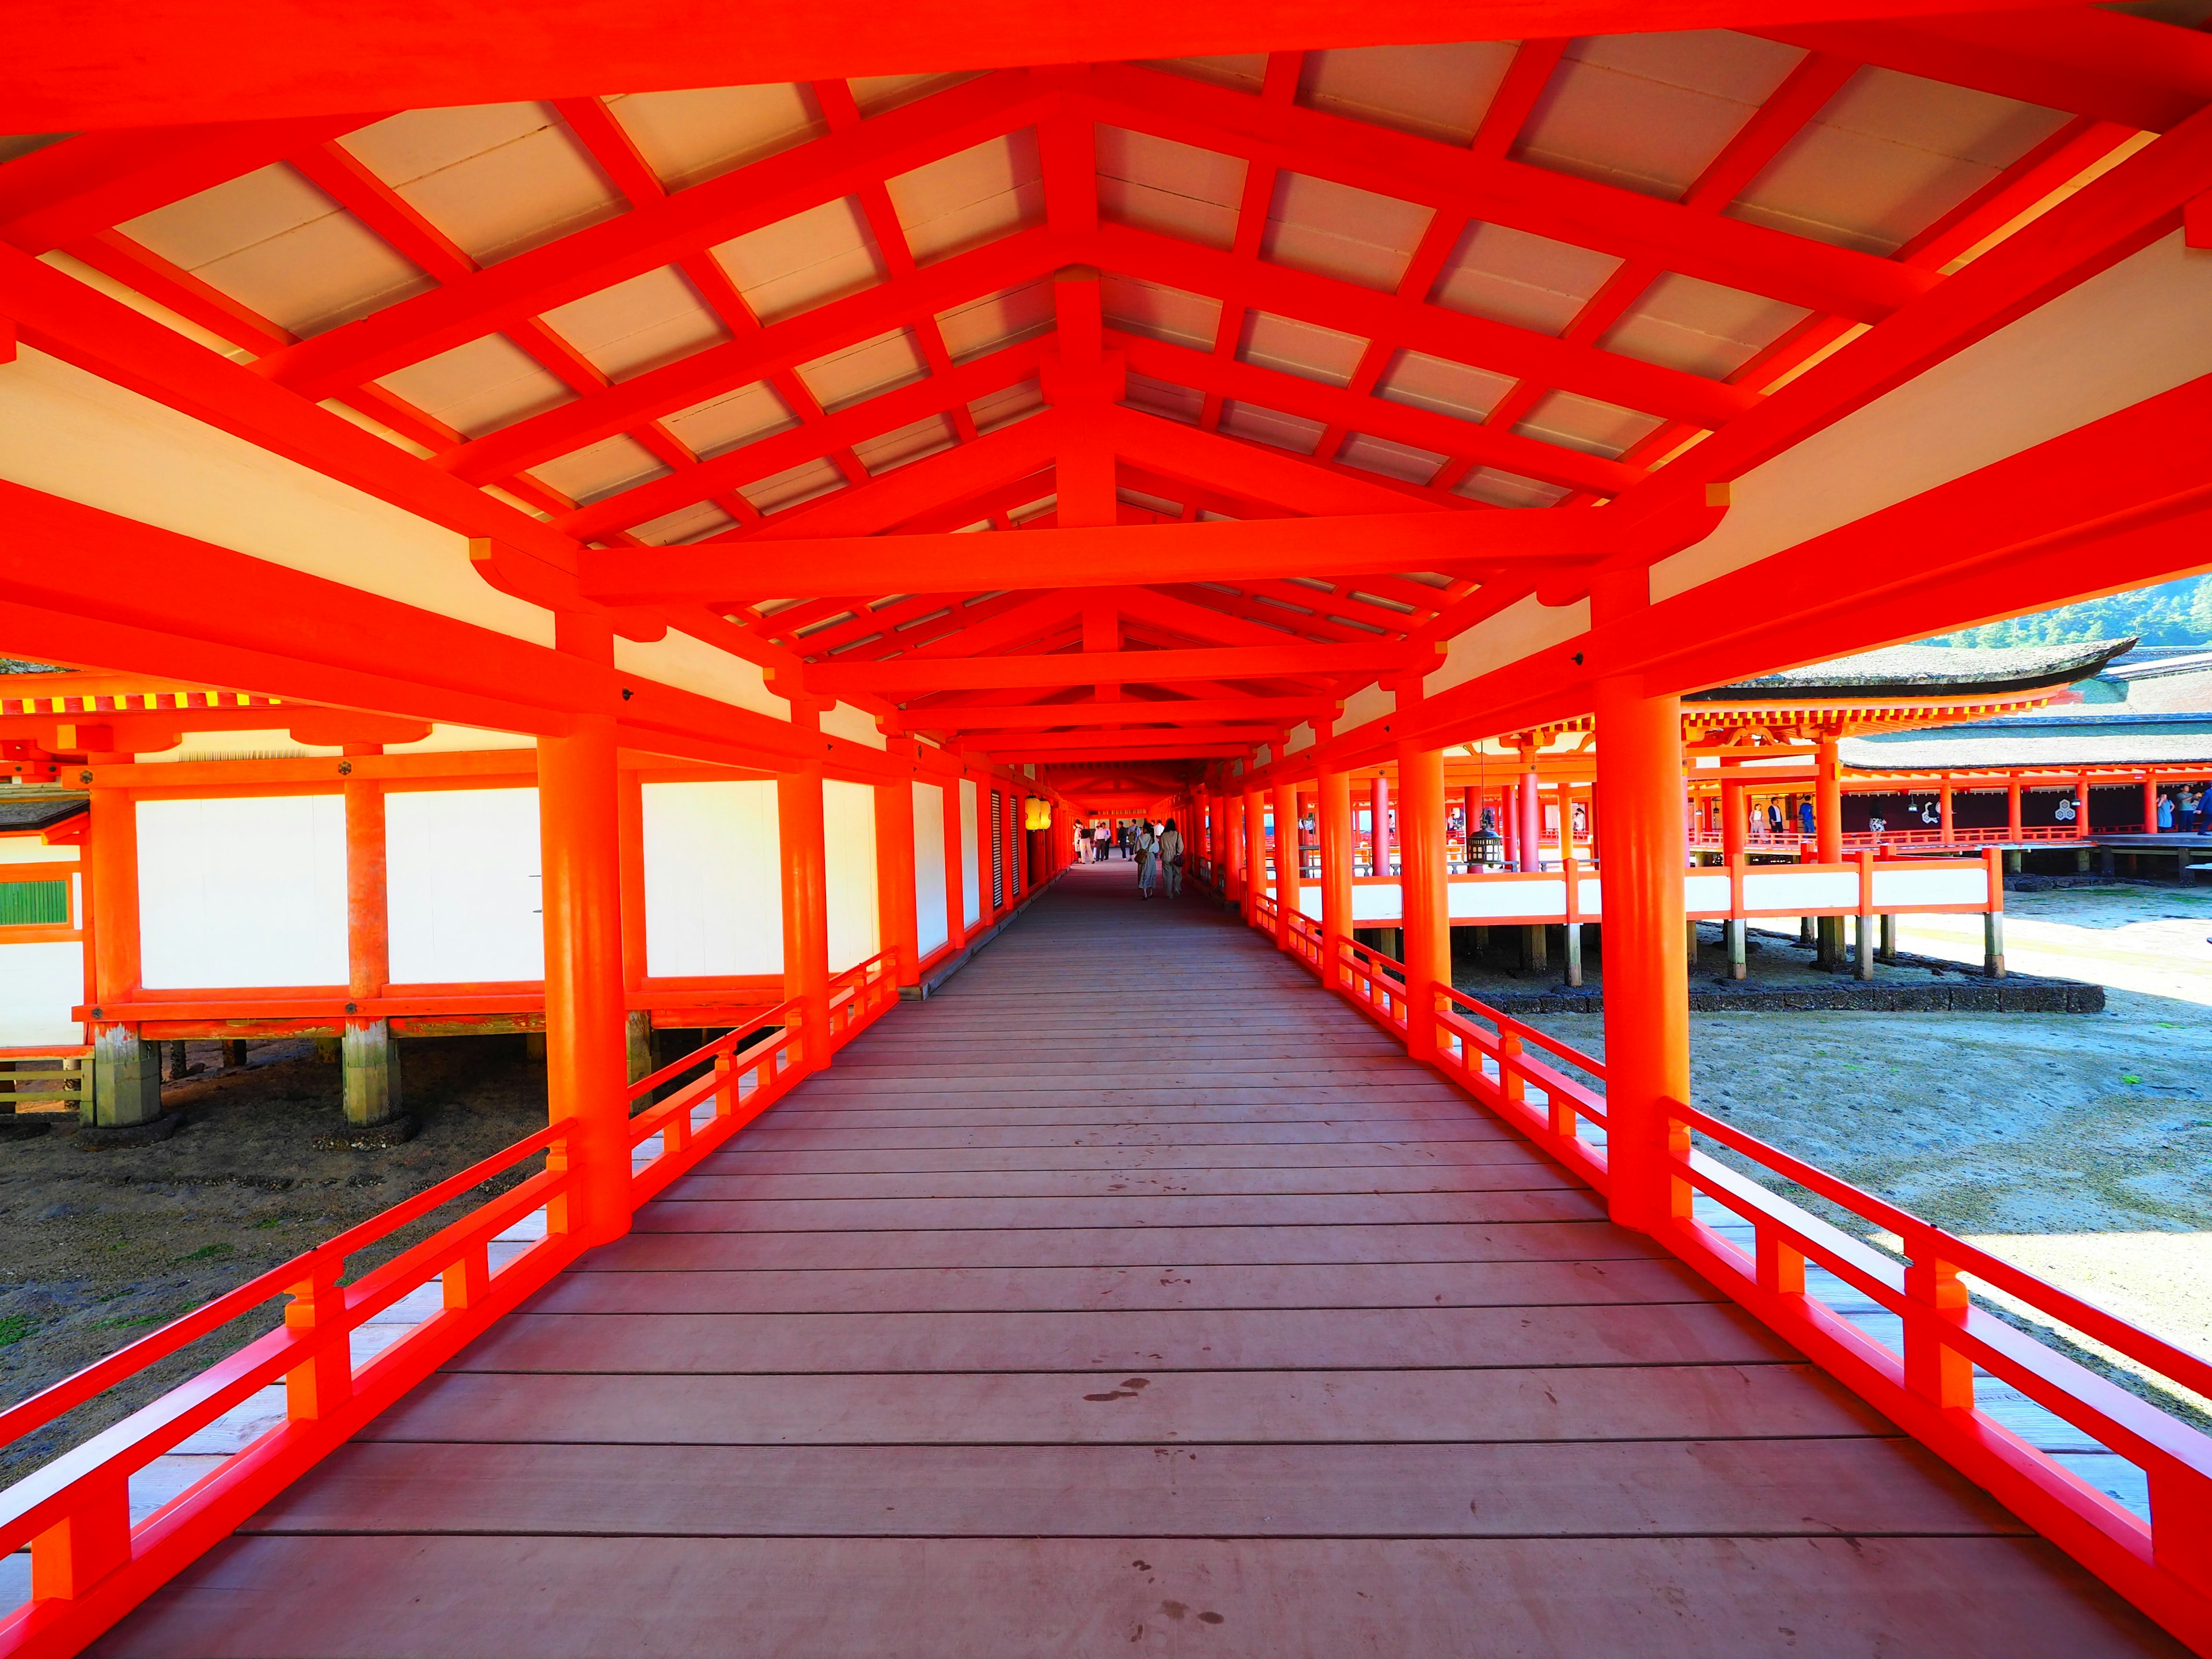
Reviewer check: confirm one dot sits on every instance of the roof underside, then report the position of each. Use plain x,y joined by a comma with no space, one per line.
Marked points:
1456,279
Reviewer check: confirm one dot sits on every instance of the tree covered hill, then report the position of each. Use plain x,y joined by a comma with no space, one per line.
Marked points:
2171,613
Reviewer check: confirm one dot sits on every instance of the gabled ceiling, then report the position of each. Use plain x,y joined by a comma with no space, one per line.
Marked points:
915,322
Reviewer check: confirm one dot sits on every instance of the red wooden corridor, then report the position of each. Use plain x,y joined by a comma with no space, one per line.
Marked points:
1134,1293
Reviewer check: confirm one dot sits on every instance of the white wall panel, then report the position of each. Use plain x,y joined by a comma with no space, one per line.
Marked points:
39,983
243,892
971,868
713,879
1711,892
849,838
1963,884
931,927
464,890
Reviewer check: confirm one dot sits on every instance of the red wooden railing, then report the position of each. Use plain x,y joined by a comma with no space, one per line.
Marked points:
1555,1094
90,1564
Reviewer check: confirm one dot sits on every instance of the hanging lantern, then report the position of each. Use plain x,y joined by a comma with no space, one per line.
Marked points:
1036,813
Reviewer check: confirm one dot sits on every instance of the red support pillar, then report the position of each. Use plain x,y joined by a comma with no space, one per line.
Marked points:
371,1061
1639,759
1943,812
896,924
2012,807
1256,854
1287,863
1532,817
586,1043
956,886
1379,839
2081,808
2150,802
805,907
1333,821
126,1070
1232,851
1828,802
1509,826
1424,904
1471,810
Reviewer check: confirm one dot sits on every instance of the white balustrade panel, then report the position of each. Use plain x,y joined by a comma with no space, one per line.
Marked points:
1792,891
971,857
1964,883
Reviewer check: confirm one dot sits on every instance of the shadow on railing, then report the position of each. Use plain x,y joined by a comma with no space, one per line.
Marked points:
1927,1380
91,1563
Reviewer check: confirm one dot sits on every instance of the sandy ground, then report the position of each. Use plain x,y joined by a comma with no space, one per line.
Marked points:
2079,1146
99,1247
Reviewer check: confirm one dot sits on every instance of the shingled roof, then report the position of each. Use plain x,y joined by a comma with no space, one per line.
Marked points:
2054,740
1947,671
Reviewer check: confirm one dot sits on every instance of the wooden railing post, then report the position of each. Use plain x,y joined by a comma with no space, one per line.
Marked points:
323,1381
85,1545
1933,1369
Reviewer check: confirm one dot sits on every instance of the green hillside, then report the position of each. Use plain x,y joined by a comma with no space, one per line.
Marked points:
2171,613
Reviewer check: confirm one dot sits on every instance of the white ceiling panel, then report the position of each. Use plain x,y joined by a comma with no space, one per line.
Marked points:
875,93
1176,403
689,136
1301,349
1487,484
1448,388
860,371
733,418
1159,312
1005,406
639,324
794,484
1244,71
996,320
1584,423
695,523
1270,425
1392,460
611,465
277,244
481,386
1178,190
1650,112
498,179
1889,155
797,264
1337,231
1515,277
1433,92
1688,324
907,444
962,201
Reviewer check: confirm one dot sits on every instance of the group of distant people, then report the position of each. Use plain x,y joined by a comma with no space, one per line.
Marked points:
1156,846
2187,809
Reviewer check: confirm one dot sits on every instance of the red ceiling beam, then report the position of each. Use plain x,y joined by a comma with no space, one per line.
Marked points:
905,677
1733,252
1154,738
1412,322
648,238
296,56
1112,555
1421,429
1178,711
97,181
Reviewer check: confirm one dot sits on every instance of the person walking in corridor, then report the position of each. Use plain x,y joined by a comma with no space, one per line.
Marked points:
1171,859
1098,837
1147,852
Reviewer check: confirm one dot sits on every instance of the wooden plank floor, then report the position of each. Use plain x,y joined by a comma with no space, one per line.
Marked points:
1131,1296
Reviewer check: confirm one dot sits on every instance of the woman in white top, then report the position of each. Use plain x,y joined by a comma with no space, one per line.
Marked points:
1148,860
1171,858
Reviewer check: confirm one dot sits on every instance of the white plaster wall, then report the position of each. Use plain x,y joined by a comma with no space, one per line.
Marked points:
932,925
29,849
855,726
971,848
1779,889
1516,632
694,665
713,879
1964,883
465,896
242,893
71,434
39,983
848,838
